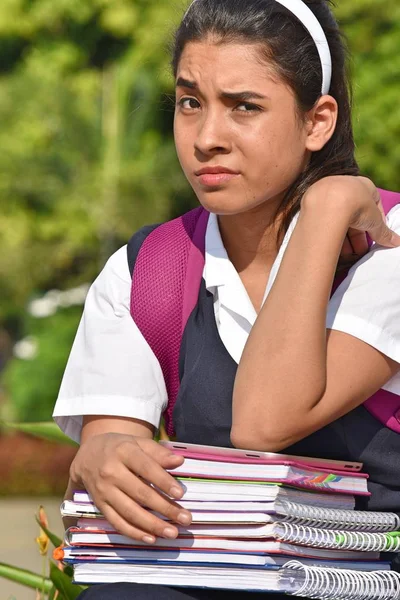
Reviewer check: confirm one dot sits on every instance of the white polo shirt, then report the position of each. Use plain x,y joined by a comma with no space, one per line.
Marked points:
112,370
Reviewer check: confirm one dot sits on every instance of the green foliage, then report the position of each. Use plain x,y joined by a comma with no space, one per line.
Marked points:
62,582
85,157
26,578
34,383
373,30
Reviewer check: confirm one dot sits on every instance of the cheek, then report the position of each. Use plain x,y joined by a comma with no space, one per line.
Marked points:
183,144
276,157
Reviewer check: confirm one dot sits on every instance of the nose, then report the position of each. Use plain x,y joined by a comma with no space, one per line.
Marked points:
213,134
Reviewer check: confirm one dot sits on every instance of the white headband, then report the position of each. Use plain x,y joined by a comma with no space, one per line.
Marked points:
313,26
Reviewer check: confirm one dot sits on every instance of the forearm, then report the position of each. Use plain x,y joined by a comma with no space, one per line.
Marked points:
282,373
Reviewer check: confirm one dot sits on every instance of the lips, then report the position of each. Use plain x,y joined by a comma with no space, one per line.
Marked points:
216,171
213,177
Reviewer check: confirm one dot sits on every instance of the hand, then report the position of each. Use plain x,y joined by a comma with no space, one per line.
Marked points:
117,470
359,197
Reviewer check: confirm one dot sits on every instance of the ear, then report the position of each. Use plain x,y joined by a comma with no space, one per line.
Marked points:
321,123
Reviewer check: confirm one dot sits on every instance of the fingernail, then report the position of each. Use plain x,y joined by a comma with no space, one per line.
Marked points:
176,492
184,518
169,533
148,539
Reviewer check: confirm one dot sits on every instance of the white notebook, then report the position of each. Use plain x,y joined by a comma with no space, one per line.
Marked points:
186,576
202,490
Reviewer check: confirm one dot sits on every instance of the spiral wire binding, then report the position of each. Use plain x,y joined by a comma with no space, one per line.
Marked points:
335,540
339,584
325,518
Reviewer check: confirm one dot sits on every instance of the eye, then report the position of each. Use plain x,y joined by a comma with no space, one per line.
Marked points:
189,103
247,107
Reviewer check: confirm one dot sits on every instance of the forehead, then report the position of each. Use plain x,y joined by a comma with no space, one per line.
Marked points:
227,65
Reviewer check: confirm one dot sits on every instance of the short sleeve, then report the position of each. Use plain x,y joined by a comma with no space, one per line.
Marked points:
111,369
367,304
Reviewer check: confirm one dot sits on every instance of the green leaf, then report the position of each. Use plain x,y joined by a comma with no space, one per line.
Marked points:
24,577
55,540
52,593
46,431
68,570
64,584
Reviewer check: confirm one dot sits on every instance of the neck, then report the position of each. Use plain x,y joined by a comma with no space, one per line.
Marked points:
251,238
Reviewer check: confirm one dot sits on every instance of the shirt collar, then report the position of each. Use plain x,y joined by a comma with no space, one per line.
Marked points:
218,269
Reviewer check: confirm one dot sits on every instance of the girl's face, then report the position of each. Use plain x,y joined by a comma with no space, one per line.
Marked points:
238,134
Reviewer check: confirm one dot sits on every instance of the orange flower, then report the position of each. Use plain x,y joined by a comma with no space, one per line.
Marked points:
43,539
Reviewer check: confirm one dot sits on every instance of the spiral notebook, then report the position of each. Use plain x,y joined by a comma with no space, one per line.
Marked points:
236,513
294,578
280,530
257,545
78,554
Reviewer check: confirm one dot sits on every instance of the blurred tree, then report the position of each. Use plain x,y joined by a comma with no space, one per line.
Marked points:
373,30
86,158
34,377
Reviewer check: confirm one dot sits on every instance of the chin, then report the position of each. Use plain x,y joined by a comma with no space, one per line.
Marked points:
218,204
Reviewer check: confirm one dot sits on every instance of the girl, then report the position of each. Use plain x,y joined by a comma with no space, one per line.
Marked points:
268,361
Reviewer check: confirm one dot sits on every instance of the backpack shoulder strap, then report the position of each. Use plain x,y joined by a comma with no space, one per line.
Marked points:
384,405
389,200
165,285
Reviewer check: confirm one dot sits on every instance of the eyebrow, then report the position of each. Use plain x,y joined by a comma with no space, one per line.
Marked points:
245,95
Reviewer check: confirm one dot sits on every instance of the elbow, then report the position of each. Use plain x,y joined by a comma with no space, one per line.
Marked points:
265,440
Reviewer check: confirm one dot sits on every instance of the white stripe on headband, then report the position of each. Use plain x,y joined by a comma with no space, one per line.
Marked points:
313,26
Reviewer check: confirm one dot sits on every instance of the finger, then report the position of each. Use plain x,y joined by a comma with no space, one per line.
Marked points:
117,476
146,496
127,517
140,463
358,241
162,455
139,517
125,528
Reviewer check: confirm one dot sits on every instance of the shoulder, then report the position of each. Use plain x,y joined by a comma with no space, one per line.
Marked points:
367,303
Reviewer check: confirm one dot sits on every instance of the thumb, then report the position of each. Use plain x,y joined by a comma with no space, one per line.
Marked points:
163,456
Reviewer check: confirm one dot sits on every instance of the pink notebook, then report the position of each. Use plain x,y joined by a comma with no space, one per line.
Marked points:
215,453
225,464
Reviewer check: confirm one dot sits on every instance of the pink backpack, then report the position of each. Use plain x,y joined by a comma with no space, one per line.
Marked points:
165,287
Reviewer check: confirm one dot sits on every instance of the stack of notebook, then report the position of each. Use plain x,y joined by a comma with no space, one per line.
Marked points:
252,513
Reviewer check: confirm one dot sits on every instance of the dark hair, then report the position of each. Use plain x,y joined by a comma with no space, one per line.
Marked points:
294,55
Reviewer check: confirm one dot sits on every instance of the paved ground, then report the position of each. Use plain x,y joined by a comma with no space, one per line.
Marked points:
17,539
